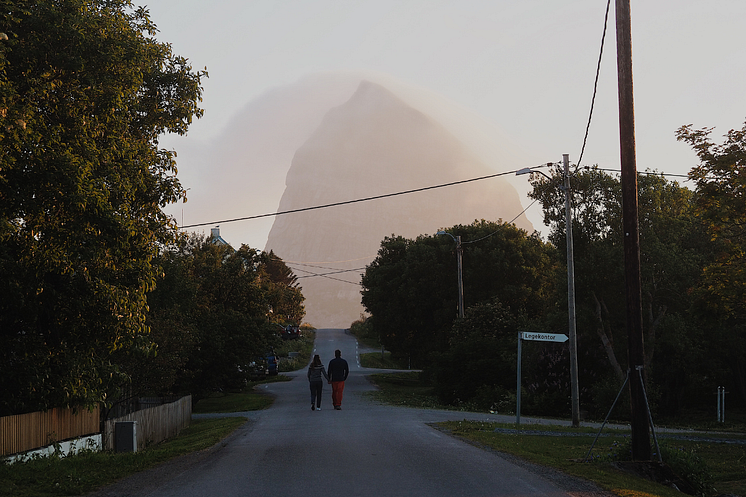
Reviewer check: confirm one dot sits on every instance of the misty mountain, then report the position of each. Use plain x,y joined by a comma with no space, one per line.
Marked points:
375,144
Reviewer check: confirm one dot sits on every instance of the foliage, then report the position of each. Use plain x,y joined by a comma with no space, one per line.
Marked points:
674,248
362,329
683,461
481,353
85,92
302,347
721,200
211,314
281,290
411,293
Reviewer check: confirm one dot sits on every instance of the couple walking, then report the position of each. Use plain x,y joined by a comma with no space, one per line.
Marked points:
338,372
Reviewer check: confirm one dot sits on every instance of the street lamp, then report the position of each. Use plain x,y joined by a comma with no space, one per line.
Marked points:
459,252
574,390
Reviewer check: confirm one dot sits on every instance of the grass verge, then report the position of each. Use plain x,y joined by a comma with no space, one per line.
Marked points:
403,389
247,400
76,475
724,463
374,360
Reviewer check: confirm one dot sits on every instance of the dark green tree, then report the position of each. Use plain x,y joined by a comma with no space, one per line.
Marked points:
85,92
210,317
674,248
410,289
478,366
282,291
720,179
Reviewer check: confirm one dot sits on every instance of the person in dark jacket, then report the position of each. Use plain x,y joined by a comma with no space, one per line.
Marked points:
338,372
316,372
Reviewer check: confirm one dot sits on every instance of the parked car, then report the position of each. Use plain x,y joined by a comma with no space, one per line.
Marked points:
291,332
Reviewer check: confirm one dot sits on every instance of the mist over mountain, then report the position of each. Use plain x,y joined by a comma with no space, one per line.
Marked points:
375,143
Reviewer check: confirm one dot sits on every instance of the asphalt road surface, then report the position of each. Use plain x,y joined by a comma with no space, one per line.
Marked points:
365,449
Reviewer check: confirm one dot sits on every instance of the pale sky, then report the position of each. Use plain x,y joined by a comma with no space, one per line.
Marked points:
526,66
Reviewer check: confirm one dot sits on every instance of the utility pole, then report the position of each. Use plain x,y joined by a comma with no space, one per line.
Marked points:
574,389
460,262
459,270
639,413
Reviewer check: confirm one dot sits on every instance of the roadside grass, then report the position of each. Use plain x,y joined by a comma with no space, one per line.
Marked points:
55,475
374,360
725,464
403,389
364,333
699,458
246,400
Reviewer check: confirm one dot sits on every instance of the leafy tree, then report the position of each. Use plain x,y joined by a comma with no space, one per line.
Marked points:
479,364
408,294
674,248
210,316
85,92
281,289
410,288
229,315
721,204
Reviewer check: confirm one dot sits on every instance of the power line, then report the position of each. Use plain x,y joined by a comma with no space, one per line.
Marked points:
347,202
647,173
595,84
310,273
510,222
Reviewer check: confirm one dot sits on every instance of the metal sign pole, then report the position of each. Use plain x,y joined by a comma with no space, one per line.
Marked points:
535,336
518,382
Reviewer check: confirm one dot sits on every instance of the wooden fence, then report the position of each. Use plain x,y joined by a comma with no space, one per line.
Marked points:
24,432
154,424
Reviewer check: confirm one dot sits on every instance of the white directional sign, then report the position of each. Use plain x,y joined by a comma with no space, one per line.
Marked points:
543,337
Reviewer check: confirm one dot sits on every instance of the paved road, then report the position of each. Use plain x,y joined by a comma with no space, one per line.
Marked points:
365,449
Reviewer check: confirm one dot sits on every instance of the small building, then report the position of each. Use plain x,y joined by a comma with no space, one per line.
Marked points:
216,238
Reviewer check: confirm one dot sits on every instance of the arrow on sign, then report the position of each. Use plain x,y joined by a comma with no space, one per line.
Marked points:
543,337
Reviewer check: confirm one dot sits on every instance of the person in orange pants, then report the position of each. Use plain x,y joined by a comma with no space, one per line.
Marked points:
338,371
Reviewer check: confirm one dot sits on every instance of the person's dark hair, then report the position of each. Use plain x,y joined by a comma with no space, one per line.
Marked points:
337,353
316,361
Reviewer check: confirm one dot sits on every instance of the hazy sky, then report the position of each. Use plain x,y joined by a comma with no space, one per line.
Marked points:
527,66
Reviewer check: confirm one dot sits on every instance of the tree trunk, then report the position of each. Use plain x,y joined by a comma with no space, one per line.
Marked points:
654,322
601,330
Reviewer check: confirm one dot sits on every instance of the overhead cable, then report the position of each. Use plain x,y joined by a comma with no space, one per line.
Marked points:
347,202
595,84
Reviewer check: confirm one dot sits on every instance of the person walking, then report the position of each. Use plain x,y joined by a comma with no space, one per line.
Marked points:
315,374
338,372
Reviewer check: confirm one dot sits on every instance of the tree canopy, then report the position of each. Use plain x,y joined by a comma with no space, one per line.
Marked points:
721,205
85,92
410,288
211,315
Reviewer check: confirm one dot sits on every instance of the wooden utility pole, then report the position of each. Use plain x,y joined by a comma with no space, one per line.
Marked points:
639,412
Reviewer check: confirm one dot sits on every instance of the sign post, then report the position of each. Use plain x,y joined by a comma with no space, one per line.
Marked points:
533,336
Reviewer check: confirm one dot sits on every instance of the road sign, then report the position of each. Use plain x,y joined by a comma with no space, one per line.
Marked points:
536,336
543,337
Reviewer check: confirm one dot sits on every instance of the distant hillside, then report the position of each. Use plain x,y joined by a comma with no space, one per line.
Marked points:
371,145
